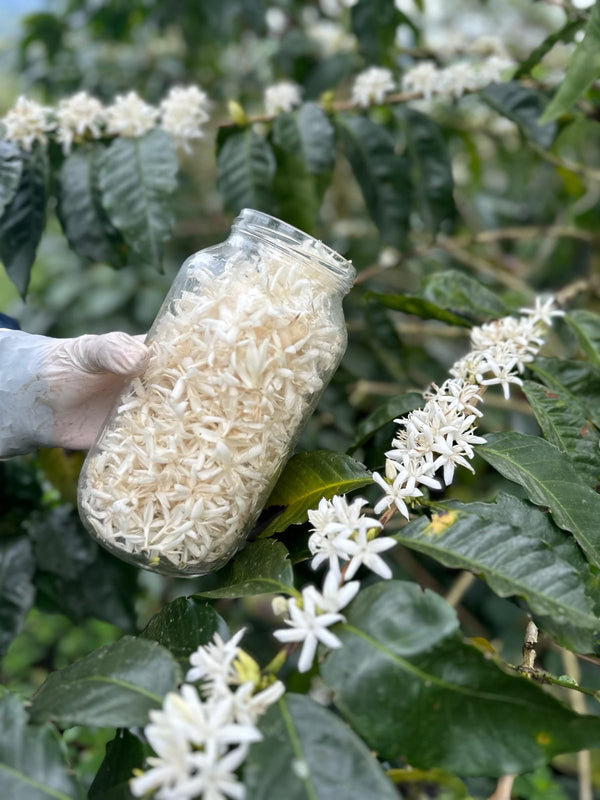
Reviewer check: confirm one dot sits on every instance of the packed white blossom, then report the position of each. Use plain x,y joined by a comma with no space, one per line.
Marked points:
441,436
423,78
282,96
201,736
27,122
130,116
335,8
182,470
276,20
456,79
183,113
371,85
78,116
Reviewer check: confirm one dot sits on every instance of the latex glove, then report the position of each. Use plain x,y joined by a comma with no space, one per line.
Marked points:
58,392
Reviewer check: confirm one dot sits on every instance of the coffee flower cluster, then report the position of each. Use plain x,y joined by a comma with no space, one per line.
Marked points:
440,436
456,79
182,113
202,733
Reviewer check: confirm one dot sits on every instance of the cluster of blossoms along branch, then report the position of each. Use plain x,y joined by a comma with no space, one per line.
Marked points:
202,734
182,113
432,440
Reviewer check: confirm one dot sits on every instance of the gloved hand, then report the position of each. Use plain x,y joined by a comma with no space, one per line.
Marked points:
57,392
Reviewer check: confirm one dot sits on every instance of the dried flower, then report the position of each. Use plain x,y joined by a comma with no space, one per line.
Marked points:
129,116
371,86
27,122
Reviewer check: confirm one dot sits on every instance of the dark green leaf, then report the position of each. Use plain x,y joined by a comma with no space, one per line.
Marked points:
393,407
431,169
296,192
124,753
22,223
550,480
549,573
116,685
310,754
411,304
136,176
11,166
564,423
382,175
306,479
83,219
32,762
579,377
245,171
524,107
16,589
408,684
583,69
308,134
61,543
262,567
464,295
183,625
586,326
564,34
374,24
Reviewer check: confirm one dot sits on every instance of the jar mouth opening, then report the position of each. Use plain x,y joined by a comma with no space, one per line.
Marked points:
286,236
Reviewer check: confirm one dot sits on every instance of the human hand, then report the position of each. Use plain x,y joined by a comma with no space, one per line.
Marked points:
58,392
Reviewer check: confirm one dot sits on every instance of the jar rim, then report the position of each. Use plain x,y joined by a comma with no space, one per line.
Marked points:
288,237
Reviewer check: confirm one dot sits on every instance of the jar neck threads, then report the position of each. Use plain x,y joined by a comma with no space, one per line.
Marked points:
291,241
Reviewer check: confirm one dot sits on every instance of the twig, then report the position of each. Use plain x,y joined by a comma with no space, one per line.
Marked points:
459,588
529,232
563,163
480,264
529,643
584,763
504,787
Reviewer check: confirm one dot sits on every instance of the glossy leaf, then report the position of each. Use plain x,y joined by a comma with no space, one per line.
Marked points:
245,170
524,107
83,219
382,175
308,753
412,304
308,134
11,166
578,377
582,70
32,761
296,191
22,223
462,294
431,169
374,23
550,480
263,567
392,408
116,685
306,479
183,625
136,177
404,645
17,592
61,543
586,326
564,423
124,753
549,572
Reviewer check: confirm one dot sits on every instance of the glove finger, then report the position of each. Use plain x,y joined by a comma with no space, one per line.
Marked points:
115,352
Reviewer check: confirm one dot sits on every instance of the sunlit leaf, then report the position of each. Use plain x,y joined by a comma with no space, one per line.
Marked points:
308,134
413,304
462,294
245,170
262,567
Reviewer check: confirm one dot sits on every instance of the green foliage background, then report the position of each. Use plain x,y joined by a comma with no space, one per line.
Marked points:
452,218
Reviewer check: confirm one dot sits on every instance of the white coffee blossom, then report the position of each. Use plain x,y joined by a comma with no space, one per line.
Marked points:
494,69
335,596
282,96
365,552
130,116
456,79
213,662
333,521
330,37
275,20
371,86
27,122
335,8
544,311
423,78
183,113
78,116
487,45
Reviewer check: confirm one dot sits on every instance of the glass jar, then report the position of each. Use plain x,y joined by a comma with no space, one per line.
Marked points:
244,344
